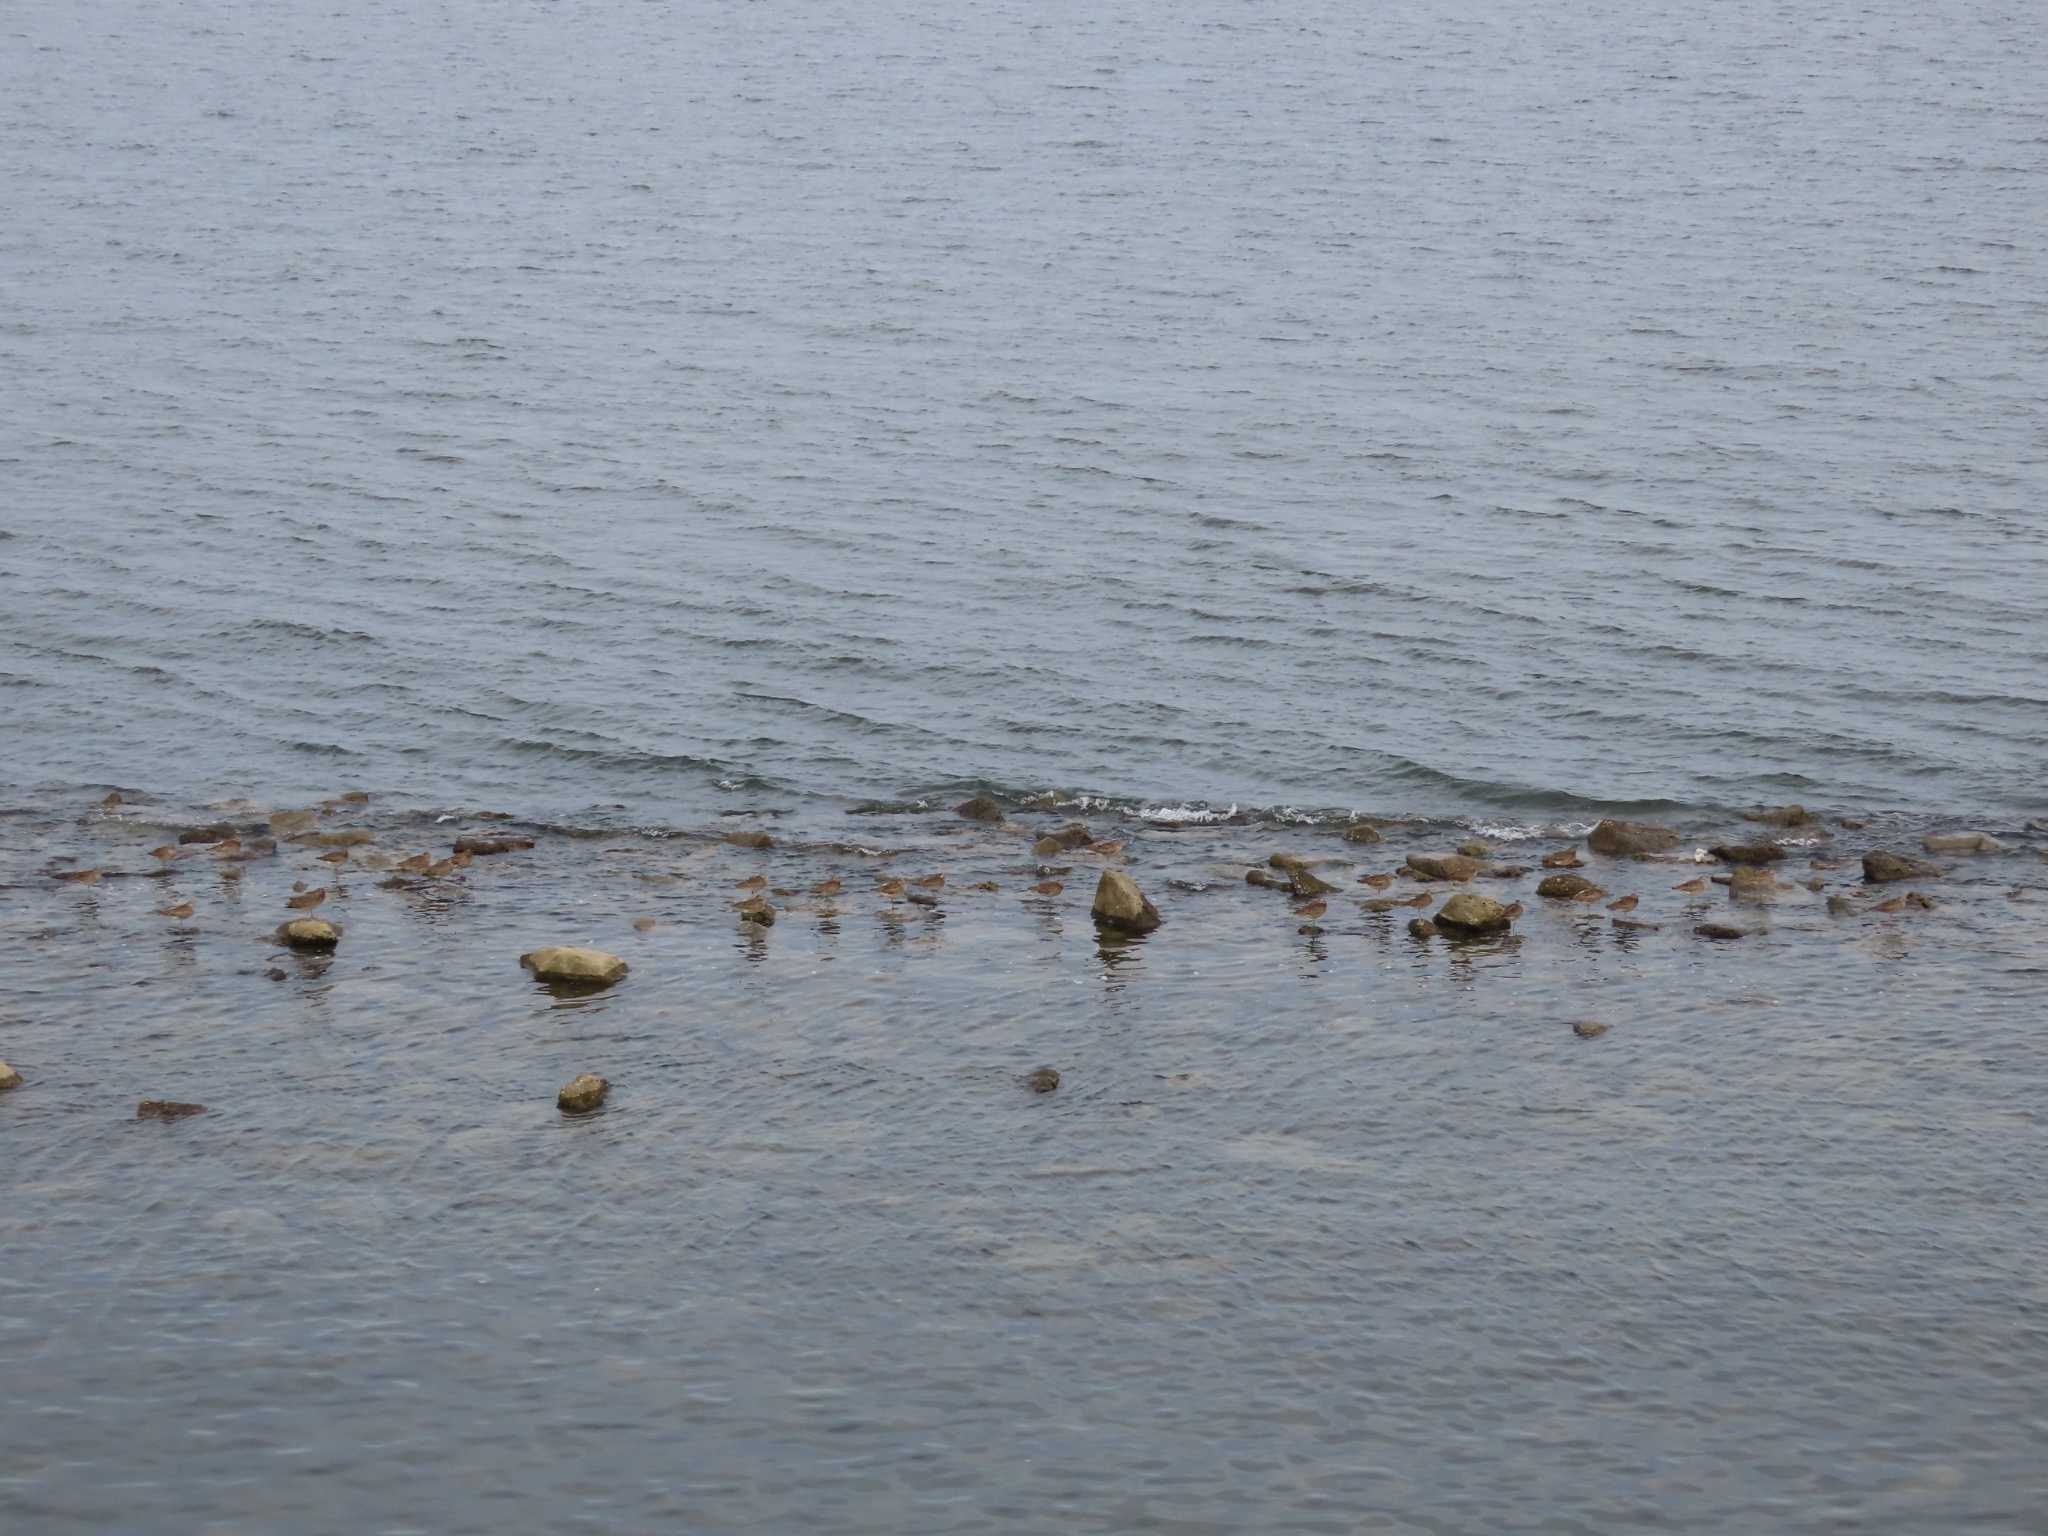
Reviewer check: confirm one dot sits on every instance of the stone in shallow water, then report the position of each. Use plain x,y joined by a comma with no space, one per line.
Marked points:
1304,883
353,838
1363,832
1881,865
1620,839
1568,888
166,1109
1469,912
1443,866
1421,928
1042,1080
9,1078
567,962
1747,853
309,933
1961,842
582,1094
980,808
1721,931
750,839
1120,904
1588,1029
479,846
1781,816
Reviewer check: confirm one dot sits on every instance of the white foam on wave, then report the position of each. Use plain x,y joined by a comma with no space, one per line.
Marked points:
1530,832
1184,815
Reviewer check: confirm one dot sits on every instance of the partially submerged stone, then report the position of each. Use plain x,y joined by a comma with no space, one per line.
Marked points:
568,962
1751,882
1042,1080
750,839
1747,853
1469,912
166,1109
1881,865
1841,906
980,808
1305,883
582,1094
1443,866
1588,1029
1563,858
1781,816
1623,839
1962,842
1063,839
1421,928
353,837
9,1078
1473,848
1635,925
309,933
1266,878
1363,832
478,847
1720,931
1568,888
1120,904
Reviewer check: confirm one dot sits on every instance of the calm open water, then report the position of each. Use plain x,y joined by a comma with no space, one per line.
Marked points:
653,419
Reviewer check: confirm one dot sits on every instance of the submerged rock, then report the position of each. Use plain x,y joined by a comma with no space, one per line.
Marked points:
1747,853
980,808
1781,816
1568,888
1635,925
1750,882
478,847
355,837
1469,912
750,839
9,1078
567,962
1120,904
1962,842
582,1094
1363,832
1443,866
1841,906
1421,928
1266,878
1588,1029
1721,931
1042,1080
1472,848
166,1109
1881,865
309,933
1622,839
1063,839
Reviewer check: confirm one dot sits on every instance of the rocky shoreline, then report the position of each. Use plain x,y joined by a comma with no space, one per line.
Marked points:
1346,877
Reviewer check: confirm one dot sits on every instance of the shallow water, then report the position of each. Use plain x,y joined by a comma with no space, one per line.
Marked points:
652,421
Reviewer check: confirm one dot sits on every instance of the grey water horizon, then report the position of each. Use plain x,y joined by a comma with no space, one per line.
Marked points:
614,425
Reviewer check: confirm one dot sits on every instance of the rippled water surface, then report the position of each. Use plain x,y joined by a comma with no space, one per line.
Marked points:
654,420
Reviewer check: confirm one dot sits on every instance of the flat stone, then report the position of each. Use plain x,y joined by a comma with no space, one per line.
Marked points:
478,847
1747,853
1636,925
1721,931
567,962
1623,839
581,1095
1042,1080
1120,904
353,837
1363,832
980,808
1443,866
166,1109
1962,842
1568,888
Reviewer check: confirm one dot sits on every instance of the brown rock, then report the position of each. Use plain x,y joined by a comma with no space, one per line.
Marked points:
290,823
1721,931
166,1109
356,797
1472,848
1568,888
1624,839
567,962
1635,925
477,847
220,832
1469,912
9,1078
1421,928
581,1095
1120,904
1881,865
1854,823
1042,1080
353,838
1443,866
1781,816
309,933
1304,883
750,839
1064,839
1363,832
1747,853
1841,906
1587,1029
980,808
1266,878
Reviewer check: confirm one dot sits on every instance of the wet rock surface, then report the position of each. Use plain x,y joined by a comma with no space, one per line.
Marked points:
1621,839
167,1109
9,1078
573,963
1568,888
1881,866
1120,904
1444,866
310,933
581,1094
1469,912
1747,853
